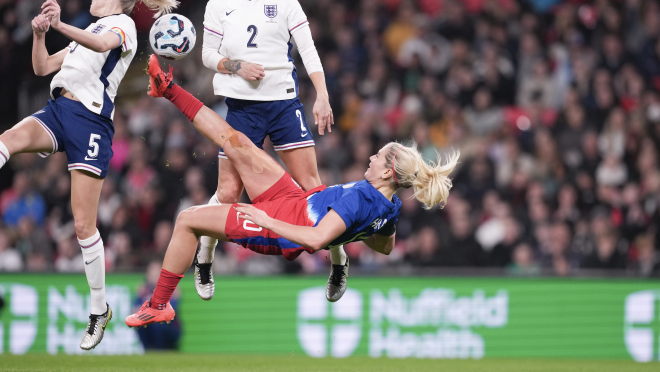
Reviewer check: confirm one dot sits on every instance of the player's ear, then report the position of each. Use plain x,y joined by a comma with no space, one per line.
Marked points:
387,173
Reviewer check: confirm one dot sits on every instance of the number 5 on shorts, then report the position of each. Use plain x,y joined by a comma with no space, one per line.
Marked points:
94,151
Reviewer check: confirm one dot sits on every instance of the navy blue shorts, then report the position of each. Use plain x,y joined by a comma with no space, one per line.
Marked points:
85,136
283,121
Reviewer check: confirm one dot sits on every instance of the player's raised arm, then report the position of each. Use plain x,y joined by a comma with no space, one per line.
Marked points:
100,43
299,29
43,63
316,238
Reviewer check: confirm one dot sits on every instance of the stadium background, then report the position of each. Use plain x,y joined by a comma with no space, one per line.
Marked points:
553,105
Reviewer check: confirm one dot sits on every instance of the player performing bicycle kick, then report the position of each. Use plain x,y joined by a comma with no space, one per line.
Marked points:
248,44
78,120
284,219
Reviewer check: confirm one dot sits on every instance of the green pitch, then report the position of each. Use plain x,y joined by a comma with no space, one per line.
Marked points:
295,363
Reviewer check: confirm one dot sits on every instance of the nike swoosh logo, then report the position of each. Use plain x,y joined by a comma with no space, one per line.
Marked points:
304,135
87,263
228,13
182,46
88,159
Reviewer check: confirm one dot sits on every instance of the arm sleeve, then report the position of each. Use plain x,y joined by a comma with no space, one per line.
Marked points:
310,57
213,34
296,17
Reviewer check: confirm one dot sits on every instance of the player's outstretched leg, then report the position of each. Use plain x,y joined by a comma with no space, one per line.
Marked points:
257,169
190,225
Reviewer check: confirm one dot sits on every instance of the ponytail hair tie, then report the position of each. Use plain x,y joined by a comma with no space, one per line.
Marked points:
393,171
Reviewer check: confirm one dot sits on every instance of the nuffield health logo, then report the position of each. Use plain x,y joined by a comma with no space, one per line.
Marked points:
642,325
19,326
433,324
327,328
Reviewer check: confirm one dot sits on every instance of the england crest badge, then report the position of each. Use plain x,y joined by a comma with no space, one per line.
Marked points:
270,11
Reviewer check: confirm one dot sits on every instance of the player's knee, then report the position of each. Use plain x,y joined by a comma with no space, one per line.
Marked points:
13,138
184,219
236,141
84,228
228,193
309,181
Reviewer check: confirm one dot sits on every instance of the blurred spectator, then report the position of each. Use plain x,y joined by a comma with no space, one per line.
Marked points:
20,202
158,336
607,255
69,258
10,259
523,261
423,250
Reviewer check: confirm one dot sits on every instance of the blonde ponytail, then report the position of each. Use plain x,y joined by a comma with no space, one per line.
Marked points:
161,6
430,181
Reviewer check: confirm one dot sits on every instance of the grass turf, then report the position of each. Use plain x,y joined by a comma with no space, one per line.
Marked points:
230,363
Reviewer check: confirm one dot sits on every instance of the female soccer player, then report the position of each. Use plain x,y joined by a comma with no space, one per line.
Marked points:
78,121
285,220
249,44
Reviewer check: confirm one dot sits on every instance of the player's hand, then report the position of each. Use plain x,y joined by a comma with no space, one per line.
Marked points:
323,114
40,24
251,213
51,9
251,71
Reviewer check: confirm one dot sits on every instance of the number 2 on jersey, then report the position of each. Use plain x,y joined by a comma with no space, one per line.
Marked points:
302,125
254,31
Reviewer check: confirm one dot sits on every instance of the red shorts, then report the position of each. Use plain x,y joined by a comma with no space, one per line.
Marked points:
284,201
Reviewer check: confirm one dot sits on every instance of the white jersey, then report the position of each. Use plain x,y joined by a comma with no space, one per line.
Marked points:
93,77
257,31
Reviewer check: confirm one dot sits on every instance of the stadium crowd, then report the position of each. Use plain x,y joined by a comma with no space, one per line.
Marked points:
553,105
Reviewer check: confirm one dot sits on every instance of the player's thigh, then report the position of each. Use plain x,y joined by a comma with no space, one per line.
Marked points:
85,192
258,171
230,185
204,220
301,163
27,136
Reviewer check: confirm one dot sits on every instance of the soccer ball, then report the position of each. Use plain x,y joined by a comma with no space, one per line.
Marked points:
172,36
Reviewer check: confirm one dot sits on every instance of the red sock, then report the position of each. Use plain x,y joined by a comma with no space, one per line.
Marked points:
184,101
167,283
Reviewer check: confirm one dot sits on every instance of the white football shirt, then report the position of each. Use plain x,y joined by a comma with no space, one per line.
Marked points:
93,77
257,31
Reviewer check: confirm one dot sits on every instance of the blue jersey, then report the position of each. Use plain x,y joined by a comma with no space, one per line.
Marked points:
364,209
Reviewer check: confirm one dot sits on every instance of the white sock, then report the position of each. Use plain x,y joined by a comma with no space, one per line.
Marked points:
338,256
94,257
206,243
4,154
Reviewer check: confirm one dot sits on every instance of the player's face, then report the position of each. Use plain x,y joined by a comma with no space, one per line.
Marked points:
377,167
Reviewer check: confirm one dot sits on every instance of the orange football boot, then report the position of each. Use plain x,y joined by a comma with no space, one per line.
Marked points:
147,315
158,79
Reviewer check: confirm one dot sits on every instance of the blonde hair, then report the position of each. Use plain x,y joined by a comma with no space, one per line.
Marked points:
430,181
162,6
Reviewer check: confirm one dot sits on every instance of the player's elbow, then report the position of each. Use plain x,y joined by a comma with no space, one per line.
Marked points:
39,71
317,243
